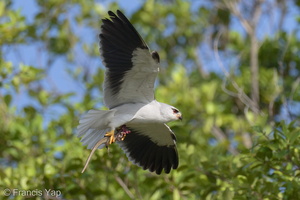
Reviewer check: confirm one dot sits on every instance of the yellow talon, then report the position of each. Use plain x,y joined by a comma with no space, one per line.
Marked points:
111,135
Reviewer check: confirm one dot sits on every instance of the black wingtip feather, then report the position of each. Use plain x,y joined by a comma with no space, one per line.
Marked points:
122,16
111,13
166,162
158,162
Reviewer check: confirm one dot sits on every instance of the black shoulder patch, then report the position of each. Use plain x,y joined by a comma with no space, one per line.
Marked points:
155,56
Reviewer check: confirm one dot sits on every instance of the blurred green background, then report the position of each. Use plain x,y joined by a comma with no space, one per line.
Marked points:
231,67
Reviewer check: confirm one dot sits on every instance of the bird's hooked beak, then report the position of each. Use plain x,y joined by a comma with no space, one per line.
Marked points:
179,116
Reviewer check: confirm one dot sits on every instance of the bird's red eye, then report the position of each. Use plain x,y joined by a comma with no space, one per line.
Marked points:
175,111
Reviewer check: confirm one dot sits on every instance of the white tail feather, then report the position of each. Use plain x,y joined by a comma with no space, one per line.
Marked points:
93,127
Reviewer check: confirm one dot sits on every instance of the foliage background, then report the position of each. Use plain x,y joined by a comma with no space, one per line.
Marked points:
231,67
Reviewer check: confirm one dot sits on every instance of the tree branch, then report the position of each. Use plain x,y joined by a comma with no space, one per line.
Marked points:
250,26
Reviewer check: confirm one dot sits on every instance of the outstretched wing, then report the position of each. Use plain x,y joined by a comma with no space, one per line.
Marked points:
131,68
151,146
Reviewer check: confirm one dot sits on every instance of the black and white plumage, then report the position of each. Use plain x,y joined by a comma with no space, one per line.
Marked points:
131,70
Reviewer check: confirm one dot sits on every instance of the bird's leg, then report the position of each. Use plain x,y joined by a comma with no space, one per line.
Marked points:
111,135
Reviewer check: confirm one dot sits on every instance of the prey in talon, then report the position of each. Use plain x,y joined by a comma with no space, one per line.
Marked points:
121,133
118,135
110,137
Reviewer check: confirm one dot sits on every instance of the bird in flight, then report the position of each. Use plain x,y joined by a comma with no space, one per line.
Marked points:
135,120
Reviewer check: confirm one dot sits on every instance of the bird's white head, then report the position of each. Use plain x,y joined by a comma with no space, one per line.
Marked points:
170,113
176,113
